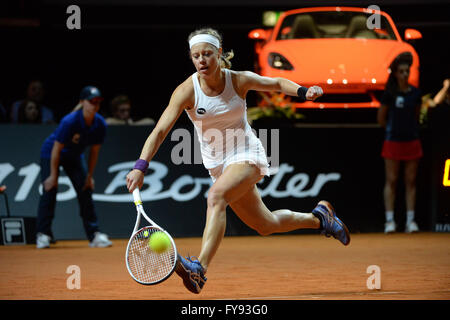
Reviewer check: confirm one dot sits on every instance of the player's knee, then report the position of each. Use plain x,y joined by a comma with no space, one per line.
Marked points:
391,183
216,198
410,181
263,229
410,185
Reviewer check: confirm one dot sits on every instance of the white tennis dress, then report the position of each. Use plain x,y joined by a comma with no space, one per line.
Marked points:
223,131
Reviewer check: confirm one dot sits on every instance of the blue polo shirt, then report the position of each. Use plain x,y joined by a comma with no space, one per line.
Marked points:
75,135
402,123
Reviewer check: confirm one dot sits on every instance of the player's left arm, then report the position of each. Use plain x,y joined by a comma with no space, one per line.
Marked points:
251,81
92,162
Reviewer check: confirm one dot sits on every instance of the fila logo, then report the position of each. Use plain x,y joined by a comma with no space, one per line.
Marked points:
13,231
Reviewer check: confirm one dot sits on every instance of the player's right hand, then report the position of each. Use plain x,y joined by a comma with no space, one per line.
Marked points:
50,183
135,178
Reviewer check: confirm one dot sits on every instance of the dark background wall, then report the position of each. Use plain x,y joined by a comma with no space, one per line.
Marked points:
176,198
140,47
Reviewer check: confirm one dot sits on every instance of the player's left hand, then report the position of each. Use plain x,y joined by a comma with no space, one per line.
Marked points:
89,183
314,92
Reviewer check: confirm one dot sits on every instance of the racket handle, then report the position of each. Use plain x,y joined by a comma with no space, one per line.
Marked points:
137,197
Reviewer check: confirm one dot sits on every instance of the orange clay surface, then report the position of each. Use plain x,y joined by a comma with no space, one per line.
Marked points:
289,267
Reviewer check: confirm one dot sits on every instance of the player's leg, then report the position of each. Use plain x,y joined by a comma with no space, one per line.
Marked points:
253,212
46,210
77,173
389,192
235,181
411,167
236,186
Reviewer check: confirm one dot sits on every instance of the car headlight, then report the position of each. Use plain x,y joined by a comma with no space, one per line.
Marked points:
277,61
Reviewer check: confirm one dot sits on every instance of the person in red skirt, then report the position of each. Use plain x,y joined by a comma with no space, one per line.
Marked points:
399,115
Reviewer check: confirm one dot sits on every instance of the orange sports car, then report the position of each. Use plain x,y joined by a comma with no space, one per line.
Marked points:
345,50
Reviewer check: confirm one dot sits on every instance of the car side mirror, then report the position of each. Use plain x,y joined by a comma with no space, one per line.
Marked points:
412,34
259,34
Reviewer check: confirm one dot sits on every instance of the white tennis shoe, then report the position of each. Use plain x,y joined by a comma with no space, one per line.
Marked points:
390,227
411,227
100,241
42,241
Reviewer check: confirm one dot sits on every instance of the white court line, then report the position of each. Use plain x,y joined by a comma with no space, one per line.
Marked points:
382,292
328,295
276,297
313,296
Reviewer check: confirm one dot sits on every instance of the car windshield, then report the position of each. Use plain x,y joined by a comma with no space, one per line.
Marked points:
335,24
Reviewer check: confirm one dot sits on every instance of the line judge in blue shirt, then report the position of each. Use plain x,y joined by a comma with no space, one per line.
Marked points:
65,147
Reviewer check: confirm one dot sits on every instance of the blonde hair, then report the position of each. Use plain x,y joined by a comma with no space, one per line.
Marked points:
77,107
224,57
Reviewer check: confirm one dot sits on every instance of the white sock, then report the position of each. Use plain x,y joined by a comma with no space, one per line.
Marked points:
389,216
409,216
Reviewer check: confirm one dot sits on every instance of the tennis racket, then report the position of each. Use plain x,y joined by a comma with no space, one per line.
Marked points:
144,265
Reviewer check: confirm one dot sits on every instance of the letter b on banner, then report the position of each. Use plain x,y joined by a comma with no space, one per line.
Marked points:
374,281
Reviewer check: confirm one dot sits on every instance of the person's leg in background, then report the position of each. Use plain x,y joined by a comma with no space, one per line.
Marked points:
392,168
46,210
77,172
411,167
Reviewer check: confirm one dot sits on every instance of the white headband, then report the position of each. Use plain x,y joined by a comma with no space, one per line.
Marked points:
204,38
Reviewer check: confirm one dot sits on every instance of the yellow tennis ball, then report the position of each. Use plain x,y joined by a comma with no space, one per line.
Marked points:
159,242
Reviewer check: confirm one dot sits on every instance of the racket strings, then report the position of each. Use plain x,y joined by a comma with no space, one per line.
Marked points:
145,265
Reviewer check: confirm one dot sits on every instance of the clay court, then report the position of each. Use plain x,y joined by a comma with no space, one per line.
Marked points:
289,267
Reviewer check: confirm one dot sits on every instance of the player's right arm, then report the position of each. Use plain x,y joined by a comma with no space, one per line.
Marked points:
382,115
52,180
387,99
181,99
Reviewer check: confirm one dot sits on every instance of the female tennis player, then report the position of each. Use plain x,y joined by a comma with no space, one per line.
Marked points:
214,99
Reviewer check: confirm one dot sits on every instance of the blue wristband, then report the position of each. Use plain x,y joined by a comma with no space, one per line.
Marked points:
301,93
